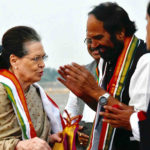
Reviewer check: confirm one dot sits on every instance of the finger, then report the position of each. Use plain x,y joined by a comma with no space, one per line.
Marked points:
82,135
106,110
81,71
83,143
60,134
62,81
81,68
79,133
80,128
70,70
73,79
73,70
46,146
118,124
62,74
67,79
62,68
42,144
85,136
109,115
59,137
126,107
112,109
82,139
107,107
111,122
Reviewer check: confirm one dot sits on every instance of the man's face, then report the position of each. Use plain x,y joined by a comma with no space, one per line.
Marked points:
99,41
148,32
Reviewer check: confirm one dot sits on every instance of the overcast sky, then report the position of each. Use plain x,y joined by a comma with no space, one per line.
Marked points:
62,24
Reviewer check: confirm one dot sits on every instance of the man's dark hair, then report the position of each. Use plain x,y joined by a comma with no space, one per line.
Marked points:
13,43
148,9
114,18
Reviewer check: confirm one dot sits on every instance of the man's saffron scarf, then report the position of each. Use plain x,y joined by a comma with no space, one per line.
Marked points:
102,134
18,100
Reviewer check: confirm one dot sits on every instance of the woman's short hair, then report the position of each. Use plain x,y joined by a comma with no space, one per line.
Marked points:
13,43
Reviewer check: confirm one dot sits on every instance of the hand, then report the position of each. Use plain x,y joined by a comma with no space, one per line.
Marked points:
81,82
33,144
78,79
82,138
57,137
118,117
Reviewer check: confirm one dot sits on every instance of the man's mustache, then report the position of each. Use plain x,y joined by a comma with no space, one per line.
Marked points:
98,48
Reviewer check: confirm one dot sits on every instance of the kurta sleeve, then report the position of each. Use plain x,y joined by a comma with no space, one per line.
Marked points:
134,126
139,89
8,144
10,132
74,105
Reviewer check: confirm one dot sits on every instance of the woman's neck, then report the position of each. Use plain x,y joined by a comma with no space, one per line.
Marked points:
25,85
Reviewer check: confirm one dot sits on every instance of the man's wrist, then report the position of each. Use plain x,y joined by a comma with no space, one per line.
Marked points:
97,93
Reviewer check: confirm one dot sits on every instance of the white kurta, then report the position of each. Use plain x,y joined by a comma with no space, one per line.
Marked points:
139,91
77,107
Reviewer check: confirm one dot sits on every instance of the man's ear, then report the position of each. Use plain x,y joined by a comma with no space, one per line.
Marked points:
13,60
121,35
